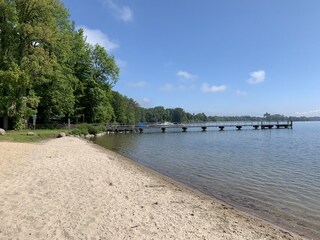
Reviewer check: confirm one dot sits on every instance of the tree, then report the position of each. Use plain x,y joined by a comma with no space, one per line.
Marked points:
119,106
200,117
57,98
48,68
82,71
97,73
104,68
178,115
9,72
33,51
96,103
267,116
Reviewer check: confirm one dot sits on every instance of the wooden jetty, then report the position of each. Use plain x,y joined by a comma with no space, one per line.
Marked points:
155,127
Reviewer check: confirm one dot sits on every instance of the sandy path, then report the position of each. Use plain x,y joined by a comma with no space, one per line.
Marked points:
70,189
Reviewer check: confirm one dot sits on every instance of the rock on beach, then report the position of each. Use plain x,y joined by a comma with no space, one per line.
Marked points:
2,132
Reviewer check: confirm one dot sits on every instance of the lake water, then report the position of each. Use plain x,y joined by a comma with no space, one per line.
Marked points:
274,174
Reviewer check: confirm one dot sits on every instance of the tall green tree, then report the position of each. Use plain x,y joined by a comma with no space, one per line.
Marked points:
97,73
81,70
104,74
34,54
9,71
178,115
119,105
133,112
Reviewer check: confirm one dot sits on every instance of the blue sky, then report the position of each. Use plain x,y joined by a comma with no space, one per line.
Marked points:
221,57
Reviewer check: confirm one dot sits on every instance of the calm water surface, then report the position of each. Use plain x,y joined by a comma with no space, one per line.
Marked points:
274,174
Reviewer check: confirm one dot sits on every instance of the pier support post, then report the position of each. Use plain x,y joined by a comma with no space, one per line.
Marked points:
221,128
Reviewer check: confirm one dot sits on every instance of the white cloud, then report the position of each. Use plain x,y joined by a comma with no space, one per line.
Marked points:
124,13
257,77
186,75
167,87
311,113
241,93
96,36
207,88
139,84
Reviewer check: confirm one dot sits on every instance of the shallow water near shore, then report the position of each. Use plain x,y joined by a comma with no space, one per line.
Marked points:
274,174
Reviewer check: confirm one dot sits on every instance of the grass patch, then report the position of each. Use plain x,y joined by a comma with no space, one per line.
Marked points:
21,136
43,134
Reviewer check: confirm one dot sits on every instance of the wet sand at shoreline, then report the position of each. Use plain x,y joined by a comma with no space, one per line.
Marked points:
69,188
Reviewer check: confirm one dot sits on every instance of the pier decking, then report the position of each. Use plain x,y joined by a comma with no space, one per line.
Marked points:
183,127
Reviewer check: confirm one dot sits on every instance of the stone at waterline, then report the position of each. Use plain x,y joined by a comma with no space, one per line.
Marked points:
2,132
89,136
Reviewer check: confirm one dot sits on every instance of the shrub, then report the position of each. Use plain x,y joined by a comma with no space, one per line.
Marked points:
81,129
77,131
95,129
84,129
92,130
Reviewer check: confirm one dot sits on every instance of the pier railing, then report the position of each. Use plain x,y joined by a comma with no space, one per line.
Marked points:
141,127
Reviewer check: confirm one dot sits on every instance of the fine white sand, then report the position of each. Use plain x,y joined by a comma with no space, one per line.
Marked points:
69,188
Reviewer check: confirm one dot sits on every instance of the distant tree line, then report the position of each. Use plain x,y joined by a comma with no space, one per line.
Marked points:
128,111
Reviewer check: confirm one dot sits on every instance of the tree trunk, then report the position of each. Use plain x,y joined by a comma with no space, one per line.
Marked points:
5,122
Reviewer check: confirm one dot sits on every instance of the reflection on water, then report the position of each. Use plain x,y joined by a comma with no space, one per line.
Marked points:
272,173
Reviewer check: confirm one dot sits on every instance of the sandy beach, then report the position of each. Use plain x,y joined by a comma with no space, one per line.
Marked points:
69,188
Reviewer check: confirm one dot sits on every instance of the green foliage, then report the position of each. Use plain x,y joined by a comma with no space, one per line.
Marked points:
79,132
126,110
200,117
96,129
30,58
97,72
84,129
48,69
95,102
57,98
104,68
119,105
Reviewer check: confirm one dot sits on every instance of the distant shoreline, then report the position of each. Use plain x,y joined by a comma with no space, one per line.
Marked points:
70,187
